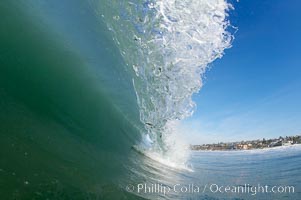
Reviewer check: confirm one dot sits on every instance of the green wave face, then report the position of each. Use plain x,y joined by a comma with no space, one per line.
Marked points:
68,109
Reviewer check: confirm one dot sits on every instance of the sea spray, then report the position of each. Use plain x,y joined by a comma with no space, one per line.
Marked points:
168,44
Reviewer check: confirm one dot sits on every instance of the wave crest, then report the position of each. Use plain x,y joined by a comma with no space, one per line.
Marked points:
169,44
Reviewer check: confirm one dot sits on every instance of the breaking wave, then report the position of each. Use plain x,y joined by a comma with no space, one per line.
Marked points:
168,44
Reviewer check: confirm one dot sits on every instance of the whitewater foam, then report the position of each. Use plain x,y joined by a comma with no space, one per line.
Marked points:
168,44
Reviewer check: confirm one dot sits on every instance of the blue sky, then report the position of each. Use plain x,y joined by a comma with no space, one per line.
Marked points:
254,90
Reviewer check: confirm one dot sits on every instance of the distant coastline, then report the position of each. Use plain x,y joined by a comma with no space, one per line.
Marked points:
250,144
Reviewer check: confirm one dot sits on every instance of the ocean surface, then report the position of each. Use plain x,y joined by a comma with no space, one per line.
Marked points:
250,174
91,92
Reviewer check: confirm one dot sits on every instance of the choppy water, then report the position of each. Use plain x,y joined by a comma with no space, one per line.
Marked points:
91,92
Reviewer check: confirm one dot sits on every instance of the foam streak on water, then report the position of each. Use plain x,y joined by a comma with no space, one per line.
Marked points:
168,44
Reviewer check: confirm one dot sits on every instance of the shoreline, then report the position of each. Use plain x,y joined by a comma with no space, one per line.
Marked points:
246,150
250,144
